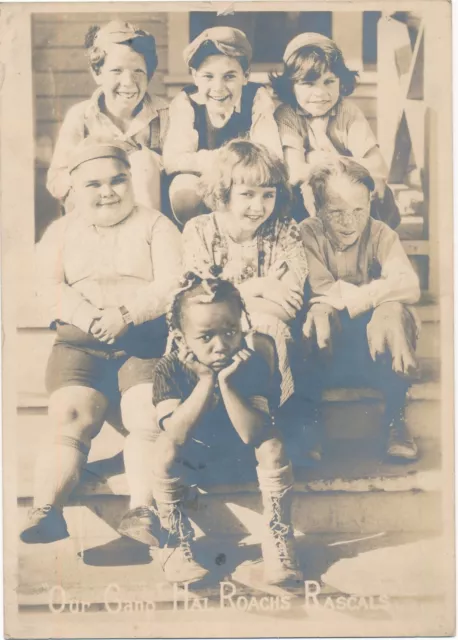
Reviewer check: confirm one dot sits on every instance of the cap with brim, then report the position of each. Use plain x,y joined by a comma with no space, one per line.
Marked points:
230,42
309,39
117,32
89,150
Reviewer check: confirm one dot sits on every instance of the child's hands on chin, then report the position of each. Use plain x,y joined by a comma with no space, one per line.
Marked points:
201,370
110,326
237,361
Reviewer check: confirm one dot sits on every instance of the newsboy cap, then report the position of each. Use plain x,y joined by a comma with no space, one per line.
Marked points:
308,39
117,32
231,42
91,149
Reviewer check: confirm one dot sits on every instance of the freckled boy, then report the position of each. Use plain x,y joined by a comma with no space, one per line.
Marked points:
362,287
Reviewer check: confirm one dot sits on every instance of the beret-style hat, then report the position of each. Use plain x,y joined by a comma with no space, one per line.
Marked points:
91,149
308,39
231,42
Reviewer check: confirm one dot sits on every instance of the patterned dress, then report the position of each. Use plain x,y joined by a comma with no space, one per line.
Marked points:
210,251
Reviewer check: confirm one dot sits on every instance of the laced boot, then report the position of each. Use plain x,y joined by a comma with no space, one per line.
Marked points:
278,544
141,524
176,556
45,524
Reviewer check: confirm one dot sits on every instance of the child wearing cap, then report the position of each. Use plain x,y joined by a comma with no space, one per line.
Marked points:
107,269
317,122
221,105
123,60
360,326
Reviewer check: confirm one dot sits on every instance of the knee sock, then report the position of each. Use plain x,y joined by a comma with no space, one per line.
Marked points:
167,493
58,471
139,463
276,481
276,490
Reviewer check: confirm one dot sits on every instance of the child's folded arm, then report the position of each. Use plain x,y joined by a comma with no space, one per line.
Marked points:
62,301
398,283
166,255
178,418
196,252
264,129
180,154
70,135
247,415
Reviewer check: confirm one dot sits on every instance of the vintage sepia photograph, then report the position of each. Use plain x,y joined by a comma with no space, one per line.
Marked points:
227,319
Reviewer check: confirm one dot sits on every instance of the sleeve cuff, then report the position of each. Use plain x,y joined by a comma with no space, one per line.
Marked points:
355,299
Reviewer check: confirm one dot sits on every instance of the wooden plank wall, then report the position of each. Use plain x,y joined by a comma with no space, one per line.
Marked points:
60,68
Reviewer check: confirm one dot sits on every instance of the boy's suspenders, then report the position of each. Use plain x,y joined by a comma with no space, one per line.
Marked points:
238,125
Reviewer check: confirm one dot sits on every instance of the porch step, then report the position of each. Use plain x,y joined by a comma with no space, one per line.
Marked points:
353,489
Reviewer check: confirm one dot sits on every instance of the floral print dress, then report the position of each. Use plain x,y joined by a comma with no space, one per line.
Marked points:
210,251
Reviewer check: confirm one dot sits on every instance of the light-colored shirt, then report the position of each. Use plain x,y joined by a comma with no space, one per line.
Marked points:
345,125
83,268
182,137
374,270
146,130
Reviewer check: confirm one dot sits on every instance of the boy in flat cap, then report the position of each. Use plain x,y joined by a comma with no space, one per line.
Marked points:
123,60
360,324
107,269
221,105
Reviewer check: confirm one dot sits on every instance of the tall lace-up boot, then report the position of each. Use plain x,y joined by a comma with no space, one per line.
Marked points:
176,553
278,544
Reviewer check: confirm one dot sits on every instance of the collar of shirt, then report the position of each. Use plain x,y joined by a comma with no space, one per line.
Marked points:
85,221
199,99
151,105
332,113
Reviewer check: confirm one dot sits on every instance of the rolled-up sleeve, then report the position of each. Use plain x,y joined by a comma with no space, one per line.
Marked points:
398,281
166,256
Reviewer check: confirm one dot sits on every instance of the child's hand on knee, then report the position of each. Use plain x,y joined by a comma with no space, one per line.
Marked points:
321,321
382,340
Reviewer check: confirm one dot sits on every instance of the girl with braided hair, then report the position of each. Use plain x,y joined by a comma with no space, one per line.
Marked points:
217,384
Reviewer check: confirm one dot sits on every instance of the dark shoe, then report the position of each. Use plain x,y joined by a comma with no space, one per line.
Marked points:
401,445
177,558
141,524
46,524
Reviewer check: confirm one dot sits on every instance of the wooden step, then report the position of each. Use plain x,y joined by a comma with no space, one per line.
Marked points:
353,489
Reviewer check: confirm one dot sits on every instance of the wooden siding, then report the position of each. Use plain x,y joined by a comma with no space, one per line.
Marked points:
60,68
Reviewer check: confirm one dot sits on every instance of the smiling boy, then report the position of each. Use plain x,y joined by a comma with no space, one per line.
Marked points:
106,271
123,60
221,105
362,285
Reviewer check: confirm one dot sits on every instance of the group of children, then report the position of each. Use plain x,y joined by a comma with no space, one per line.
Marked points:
293,279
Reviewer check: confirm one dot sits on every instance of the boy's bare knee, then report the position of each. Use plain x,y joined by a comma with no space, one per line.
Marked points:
271,453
